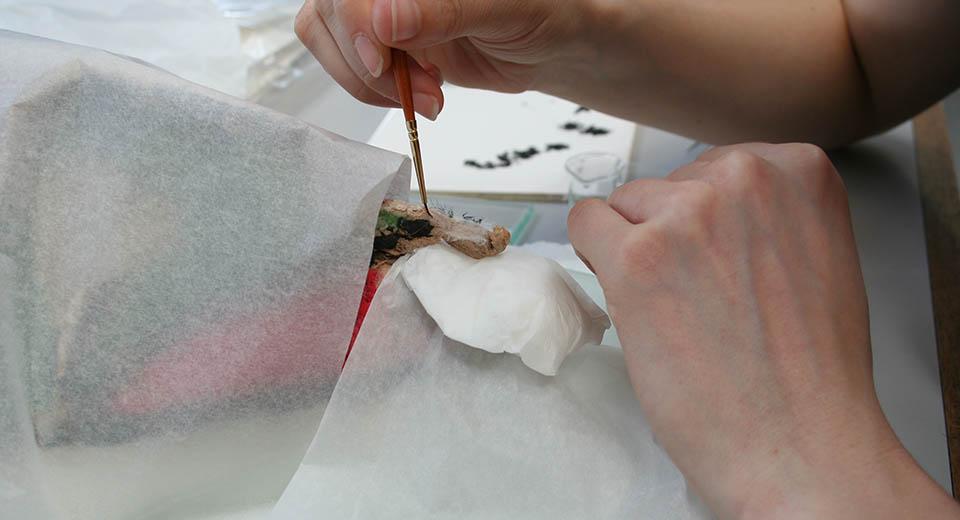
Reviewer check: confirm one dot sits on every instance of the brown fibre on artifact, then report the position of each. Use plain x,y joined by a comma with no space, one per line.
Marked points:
403,228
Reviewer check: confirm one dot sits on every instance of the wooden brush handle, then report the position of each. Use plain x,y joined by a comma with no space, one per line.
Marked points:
401,74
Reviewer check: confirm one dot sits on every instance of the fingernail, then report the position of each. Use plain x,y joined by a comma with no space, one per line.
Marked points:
405,16
369,55
427,105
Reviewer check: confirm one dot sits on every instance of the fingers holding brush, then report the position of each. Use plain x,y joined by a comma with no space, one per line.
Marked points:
338,33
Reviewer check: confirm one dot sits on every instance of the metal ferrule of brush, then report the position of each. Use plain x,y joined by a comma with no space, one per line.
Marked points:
417,160
412,130
415,148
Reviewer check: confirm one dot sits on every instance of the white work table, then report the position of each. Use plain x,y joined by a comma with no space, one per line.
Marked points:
880,175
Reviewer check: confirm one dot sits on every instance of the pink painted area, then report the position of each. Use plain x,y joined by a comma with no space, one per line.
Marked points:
288,346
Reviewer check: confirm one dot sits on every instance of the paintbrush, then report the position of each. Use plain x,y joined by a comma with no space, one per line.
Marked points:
401,74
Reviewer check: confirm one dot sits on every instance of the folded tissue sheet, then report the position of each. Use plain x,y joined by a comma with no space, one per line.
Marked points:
421,426
180,273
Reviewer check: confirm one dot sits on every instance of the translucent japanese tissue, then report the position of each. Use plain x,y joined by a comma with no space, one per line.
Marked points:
179,277
420,426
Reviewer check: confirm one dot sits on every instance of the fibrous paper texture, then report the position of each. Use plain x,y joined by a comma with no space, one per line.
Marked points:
420,426
179,277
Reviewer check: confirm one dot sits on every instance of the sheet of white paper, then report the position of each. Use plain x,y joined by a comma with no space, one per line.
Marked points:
179,276
420,426
480,125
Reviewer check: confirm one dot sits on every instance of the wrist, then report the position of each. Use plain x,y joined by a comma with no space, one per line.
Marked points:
834,492
866,476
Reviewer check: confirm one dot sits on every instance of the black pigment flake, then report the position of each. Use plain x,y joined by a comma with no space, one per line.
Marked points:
581,108
385,241
570,125
557,146
415,227
471,218
440,208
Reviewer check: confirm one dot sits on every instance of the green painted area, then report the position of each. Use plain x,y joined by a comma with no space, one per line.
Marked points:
387,220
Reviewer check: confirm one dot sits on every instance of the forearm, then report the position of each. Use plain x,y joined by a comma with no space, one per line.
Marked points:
822,71
721,71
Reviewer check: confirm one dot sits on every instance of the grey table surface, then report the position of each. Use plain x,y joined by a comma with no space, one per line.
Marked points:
881,180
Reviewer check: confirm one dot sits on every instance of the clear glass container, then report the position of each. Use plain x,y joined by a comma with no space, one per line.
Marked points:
594,175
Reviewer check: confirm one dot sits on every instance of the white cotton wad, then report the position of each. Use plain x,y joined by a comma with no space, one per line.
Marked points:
514,302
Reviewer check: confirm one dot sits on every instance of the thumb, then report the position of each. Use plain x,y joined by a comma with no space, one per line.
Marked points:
596,232
413,24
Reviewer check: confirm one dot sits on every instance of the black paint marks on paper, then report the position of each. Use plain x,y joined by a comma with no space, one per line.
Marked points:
476,164
595,130
573,126
510,158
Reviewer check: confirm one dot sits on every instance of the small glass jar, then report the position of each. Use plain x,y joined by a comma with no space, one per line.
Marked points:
594,175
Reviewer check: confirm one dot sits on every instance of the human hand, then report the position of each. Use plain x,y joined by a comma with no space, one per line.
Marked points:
736,290
504,45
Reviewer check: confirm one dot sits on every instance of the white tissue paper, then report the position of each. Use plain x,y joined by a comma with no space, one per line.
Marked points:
180,273
235,46
420,426
514,302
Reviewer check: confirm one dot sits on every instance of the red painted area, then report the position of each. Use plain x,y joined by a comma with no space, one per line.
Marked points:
374,277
